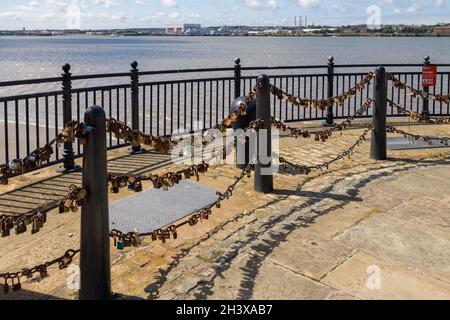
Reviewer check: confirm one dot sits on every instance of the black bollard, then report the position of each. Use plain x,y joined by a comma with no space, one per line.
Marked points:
95,268
263,167
135,104
378,146
329,122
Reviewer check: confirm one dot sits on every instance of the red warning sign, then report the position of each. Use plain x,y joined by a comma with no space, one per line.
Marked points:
429,76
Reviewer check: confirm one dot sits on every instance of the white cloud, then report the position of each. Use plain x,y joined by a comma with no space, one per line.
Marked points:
272,4
308,3
169,3
106,3
141,2
174,15
413,8
255,4
341,8
439,3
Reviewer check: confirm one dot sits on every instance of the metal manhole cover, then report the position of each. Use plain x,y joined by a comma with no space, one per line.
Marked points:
153,209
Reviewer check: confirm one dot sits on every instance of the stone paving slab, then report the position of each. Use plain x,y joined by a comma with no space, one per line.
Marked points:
310,254
396,282
275,282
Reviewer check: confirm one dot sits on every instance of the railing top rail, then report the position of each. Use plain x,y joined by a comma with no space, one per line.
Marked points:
29,81
200,70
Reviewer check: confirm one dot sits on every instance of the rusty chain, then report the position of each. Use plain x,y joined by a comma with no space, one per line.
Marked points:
12,279
416,93
170,179
323,135
304,169
323,104
417,116
240,111
38,217
429,139
72,130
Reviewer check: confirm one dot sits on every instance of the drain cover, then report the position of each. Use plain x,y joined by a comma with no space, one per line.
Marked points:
153,209
401,143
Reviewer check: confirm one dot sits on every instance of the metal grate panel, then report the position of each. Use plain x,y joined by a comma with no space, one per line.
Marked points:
402,143
154,208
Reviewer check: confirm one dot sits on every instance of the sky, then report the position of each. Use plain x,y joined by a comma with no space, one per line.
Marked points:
97,14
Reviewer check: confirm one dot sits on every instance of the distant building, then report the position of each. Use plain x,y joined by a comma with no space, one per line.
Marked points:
442,30
192,26
175,29
178,29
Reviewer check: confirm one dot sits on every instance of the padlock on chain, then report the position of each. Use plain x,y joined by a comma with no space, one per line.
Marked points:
6,284
16,285
20,227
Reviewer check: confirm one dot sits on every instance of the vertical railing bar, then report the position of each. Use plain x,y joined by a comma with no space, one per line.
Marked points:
286,102
178,105
47,132
184,105
303,95
16,103
78,120
275,101
165,109
118,109
310,94
109,114
204,104
317,94
143,108
223,99
349,102
171,108
323,94
362,93
125,99
210,103
37,122
192,106
417,100
56,124
27,123
151,109
157,109
198,103
217,102
5,113
292,90
281,102
404,92
355,78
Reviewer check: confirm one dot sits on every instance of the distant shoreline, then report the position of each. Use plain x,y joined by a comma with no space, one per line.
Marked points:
327,35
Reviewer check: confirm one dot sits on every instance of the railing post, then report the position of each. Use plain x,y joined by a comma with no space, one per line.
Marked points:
68,154
330,92
95,268
379,145
237,78
426,89
135,103
263,167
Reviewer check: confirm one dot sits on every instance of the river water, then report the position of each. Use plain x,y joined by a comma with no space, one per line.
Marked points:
35,57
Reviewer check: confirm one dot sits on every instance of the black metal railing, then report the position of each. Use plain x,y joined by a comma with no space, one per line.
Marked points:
160,102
